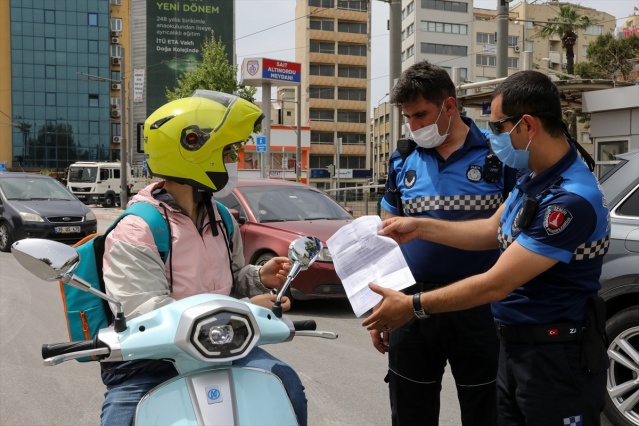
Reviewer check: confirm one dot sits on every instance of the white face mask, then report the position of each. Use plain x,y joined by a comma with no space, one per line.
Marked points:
429,137
231,170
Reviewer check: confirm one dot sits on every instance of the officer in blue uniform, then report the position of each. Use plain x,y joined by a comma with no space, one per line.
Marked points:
445,171
552,233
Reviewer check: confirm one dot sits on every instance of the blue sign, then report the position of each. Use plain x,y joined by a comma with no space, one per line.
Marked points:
3,167
485,108
261,148
261,140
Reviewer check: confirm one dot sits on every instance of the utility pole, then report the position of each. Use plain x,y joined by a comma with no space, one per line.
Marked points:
395,64
298,146
124,196
502,38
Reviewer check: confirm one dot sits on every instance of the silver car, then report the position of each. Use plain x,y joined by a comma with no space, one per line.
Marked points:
620,290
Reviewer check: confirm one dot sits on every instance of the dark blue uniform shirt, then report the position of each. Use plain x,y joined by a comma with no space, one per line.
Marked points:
571,225
451,189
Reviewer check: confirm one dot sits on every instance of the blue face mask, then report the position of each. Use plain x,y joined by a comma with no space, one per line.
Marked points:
506,152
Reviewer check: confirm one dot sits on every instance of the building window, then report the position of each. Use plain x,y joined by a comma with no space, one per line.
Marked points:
486,38
319,47
410,8
50,99
116,24
322,24
442,27
323,70
513,41
93,101
116,2
351,72
584,51
49,17
513,63
323,138
321,92
351,116
49,71
529,46
444,49
594,30
463,72
320,161
606,154
351,27
351,49
410,29
115,75
351,94
361,5
49,43
116,129
410,51
352,138
452,6
116,51
322,3
322,114
486,61
92,19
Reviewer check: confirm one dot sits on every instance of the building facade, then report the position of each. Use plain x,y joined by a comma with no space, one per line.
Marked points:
336,65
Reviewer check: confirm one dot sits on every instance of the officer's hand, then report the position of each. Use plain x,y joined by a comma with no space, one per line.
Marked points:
394,310
401,229
380,338
267,300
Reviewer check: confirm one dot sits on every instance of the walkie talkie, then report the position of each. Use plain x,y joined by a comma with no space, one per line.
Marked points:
492,168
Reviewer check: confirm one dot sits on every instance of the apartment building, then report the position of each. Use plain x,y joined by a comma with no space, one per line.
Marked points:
336,63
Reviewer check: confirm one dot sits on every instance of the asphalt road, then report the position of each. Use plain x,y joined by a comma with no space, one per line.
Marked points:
343,377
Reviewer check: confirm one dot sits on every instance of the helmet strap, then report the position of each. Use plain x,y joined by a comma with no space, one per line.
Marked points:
211,213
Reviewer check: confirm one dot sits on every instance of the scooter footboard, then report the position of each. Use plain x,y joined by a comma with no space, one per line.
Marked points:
225,396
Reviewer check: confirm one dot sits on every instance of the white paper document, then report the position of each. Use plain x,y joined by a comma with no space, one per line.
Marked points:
360,256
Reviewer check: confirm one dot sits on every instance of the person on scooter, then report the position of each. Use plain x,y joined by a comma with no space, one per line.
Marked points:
190,143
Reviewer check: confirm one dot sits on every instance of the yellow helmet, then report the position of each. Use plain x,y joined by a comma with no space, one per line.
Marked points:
184,139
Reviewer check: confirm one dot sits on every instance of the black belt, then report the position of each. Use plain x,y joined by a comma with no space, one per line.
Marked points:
545,333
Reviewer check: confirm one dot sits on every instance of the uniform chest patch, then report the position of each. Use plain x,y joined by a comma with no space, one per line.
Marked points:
410,178
474,173
556,219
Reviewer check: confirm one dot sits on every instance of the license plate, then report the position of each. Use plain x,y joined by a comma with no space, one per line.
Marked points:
67,229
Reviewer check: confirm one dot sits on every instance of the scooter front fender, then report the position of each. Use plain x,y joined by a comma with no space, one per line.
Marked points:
221,396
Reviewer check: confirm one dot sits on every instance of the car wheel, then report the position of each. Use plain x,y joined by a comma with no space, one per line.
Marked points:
109,201
265,257
622,329
5,237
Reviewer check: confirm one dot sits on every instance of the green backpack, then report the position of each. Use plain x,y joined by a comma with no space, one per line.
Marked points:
86,313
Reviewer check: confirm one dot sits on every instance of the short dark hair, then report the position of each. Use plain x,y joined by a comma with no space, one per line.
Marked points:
424,79
530,92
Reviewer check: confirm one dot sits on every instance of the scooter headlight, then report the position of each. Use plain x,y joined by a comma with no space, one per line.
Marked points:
222,335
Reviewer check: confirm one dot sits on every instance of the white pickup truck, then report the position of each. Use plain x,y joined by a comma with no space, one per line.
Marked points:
99,183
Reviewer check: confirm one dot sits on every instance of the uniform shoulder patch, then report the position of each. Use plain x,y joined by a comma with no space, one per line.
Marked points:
474,173
410,178
556,219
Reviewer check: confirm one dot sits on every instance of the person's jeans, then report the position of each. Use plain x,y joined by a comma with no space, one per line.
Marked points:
121,400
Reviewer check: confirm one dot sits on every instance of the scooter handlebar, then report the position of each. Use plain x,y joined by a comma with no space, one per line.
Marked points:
55,349
304,325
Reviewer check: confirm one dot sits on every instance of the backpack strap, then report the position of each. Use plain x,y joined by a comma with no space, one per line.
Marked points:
227,220
157,223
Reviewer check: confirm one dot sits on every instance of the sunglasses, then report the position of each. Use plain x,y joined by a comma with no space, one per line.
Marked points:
497,126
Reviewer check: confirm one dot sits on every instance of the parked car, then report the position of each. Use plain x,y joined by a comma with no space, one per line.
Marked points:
272,213
620,290
38,206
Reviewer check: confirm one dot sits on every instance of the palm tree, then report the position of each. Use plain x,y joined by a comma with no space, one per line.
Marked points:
565,25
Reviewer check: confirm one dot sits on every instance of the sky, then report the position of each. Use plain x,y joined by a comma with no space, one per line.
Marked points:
266,28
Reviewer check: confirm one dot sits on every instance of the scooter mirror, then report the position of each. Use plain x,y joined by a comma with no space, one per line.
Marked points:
47,260
304,251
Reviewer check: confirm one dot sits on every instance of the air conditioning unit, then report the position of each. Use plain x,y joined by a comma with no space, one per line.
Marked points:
115,106
115,86
115,113
115,33
517,48
117,139
116,61
115,40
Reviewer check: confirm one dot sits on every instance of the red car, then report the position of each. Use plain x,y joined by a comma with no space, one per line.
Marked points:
272,213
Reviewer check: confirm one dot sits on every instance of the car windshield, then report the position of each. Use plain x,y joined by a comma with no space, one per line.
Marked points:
285,203
26,189
82,174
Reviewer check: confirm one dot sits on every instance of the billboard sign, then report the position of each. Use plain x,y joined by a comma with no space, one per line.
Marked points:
175,33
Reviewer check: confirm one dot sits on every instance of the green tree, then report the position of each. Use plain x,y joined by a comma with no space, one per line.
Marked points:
565,25
612,57
213,73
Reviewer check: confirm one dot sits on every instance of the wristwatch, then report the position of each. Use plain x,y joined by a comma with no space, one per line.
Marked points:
417,307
